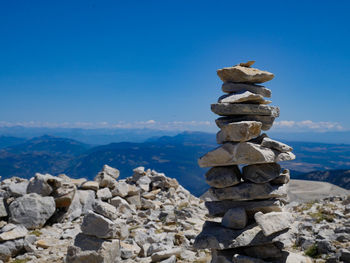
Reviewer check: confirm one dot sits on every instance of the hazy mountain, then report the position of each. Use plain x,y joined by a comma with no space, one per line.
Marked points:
6,141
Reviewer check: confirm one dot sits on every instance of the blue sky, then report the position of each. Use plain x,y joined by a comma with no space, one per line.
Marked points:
153,63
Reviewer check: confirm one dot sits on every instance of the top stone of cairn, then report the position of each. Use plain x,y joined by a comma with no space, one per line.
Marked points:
244,73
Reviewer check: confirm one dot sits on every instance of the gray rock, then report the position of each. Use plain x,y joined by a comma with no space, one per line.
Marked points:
324,247
107,177
244,259
123,207
86,198
135,200
244,74
5,253
3,211
345,255
261,173
161,255
215,236
235,218
129,250
230,87
15,233
276,145
18,189
28,243
64,194
223,176
105,209
99,226
121,189
32,210
39,185
219,208
283,178
88,249
291,257
266,121
238,131
273,222
243,96
75,209
144,183
242,153
227,109
104,194
249,191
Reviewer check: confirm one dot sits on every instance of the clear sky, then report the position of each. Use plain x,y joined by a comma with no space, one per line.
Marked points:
153,63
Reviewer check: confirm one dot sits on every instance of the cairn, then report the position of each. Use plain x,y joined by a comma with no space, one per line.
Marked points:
253,225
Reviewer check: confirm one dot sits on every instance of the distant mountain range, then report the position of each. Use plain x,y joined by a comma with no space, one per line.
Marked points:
174,155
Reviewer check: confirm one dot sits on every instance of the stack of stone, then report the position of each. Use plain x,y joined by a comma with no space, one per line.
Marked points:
248,201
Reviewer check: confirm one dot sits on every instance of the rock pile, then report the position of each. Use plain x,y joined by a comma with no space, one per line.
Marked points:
252,226
147,217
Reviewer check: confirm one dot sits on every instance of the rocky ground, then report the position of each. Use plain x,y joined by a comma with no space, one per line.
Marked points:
145,218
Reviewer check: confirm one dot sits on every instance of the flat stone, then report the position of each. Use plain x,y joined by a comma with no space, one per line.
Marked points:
276,145
223,176
261,173
228,109
242,153
18,232
244,74
235,218
283,178
3,211
219,208
267,121
105,209
99,226
32,210
249,191
156,257
215,236
243,97
230,87
267,251
238,131
90,185
273,222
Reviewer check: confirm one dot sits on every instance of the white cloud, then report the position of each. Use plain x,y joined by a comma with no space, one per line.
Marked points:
309,125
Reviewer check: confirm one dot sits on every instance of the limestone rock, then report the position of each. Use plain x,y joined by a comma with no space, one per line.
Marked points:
261,173
276,145
242,153
64,194
18,232
99,226
243,96
18,189
32,210
91,249
266,121
235,218
273,222
215,236
39,185
244,74
3,211
121,189
238,131
250,191
107,177
230,87
156,257
105,209
223,176
219,208
104,194
228,109
90,185
86,198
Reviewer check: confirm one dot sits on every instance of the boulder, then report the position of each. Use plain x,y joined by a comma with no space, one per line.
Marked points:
32,210
228,109
266,121
238,131
39,185
273,222
223,176
244,74
99,226
3,211
243,96
276,145
104,194
242,153
88,249
235,218
107,177
219,208
261,173
230,87
18,189
249,191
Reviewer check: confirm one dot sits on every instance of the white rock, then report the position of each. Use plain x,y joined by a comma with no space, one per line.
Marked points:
273,222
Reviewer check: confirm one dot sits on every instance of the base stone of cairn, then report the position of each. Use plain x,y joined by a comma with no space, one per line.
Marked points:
249,224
